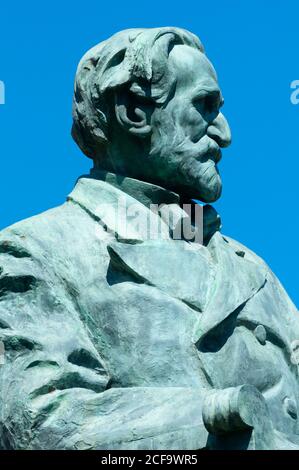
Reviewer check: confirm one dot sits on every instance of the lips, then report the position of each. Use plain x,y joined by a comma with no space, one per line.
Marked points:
217,155
213,152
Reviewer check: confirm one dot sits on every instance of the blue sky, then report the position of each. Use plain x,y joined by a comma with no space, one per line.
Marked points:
254,48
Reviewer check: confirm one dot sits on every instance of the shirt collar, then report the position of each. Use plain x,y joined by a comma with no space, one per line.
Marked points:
148,194
144,192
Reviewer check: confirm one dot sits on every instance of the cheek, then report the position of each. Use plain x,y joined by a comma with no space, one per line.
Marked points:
190,121
177,123
196,126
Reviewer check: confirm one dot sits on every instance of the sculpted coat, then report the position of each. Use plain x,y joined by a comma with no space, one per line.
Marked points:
118,340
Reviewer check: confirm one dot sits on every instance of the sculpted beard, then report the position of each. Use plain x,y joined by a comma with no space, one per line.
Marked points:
184,166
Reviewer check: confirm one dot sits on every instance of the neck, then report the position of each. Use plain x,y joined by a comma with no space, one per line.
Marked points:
144,192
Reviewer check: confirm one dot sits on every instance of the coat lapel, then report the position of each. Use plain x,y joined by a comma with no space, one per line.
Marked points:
237,280
214,280
181,270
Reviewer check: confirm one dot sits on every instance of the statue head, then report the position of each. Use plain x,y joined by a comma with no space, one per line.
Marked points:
147,105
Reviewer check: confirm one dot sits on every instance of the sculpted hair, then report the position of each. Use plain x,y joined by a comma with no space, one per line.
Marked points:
133,58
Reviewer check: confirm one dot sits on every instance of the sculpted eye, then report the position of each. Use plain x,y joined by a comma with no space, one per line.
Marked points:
208,103
213,102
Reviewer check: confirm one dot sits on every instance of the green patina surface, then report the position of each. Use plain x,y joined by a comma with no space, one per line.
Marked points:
117,337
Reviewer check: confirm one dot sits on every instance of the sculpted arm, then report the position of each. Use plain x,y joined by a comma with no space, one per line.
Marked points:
54,388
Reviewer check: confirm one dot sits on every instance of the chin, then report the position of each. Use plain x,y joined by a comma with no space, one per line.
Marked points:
206,189
212,192
211,197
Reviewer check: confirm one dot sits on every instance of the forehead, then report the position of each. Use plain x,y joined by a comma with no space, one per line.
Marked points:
192,69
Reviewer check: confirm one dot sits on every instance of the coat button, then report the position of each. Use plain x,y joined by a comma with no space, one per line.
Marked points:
290,407
260,334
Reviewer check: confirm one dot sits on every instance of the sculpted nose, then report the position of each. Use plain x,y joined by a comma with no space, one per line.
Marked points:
219,131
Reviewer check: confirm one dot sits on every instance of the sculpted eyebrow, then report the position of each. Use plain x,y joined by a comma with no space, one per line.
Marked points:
206,91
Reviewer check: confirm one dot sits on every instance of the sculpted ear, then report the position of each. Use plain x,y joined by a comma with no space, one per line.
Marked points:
133,111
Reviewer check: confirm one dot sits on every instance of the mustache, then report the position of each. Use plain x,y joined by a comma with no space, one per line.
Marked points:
182,146
206,152
203,150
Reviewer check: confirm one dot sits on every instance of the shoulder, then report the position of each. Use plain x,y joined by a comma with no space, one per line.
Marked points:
244,252
51,218
273,284
61,245
66,218
62,229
